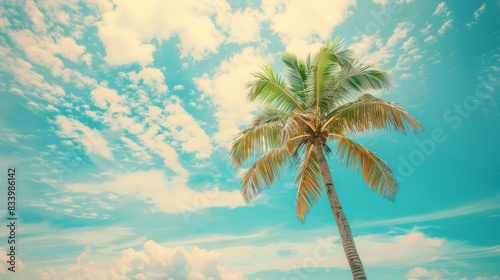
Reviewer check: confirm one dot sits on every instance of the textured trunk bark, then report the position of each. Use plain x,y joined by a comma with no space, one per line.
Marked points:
358,272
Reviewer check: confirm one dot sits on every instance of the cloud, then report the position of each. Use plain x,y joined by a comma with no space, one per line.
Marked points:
184,128
317,20
319,249
150,76
445,27
153,261
4,265
471,208
226,89
128,30
426,29
167,194
477,14
70,49
479,11
375,51
35,16
431,39
104,97
381,2
441,9
419,272
93,142
243,26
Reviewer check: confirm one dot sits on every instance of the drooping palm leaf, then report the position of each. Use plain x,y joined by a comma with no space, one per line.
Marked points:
376,172
255,141
308,180
264,171
369,112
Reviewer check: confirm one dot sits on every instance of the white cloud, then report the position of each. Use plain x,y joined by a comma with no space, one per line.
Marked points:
419,272
441,9
381,2
445,27
24,73
186,129
70,49
62,17
409,43
318,18
152,77
321,249
42,49
477,14
243,26
426,29
405,76
374,51
127,29
152,262
104,97
479,11
170,195
431,39
471,208
93,142
178,87
4,259
226,89
35,16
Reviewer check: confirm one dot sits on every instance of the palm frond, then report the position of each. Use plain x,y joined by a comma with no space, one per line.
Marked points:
376,172
308,180
272,90
255,141
369,112
264,171
364,78
296,70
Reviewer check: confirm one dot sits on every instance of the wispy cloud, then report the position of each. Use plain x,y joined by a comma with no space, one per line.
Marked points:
468,209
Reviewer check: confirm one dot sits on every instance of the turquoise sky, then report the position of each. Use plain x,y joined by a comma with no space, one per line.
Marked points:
118,115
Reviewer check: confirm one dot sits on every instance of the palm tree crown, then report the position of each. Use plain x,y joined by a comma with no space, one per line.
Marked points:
322,98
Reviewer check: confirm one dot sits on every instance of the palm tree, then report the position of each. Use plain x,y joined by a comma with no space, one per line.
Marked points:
324,98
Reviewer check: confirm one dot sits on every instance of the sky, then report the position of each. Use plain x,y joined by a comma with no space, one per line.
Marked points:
117,117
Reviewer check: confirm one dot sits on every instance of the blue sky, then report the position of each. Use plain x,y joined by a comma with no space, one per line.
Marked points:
118,115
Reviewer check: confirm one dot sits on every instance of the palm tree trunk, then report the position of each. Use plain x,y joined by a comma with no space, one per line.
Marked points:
351,253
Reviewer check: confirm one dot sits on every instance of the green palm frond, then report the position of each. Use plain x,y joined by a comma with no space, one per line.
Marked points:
271,89
318,76
369,112
296,70
308,180
376,172
264,171
364,78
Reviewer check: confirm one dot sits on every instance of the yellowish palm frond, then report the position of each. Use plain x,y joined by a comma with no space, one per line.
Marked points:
255,141
369,112
309,183
264,171
377,174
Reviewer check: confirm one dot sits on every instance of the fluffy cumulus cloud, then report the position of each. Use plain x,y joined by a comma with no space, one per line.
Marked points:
128,29
167,194
317,20
153,261
226,89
